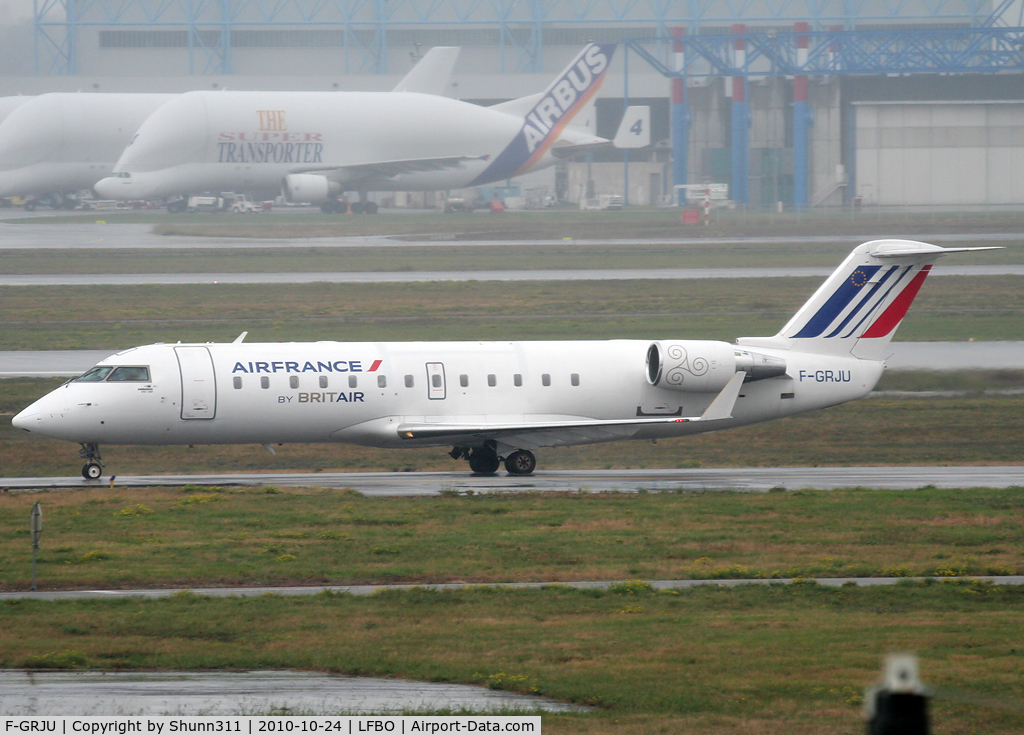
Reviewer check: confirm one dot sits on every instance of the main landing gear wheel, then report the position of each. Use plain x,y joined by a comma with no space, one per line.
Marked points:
520,462
92,469
484,462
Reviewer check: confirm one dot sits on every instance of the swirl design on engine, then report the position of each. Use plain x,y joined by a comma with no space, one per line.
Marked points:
683,365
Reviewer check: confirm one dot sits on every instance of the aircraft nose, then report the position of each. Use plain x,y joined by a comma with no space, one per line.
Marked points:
107,188
27,419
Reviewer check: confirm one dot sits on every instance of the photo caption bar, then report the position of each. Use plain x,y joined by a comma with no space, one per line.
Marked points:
342,725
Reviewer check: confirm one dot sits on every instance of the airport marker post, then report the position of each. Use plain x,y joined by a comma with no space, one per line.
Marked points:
740,116
680,116
801,120
37,531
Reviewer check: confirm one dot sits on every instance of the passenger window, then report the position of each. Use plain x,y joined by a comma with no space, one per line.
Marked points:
491,380
353,381
323,381
264,382
464,381
545,379
409,382
575,378
237,380
518,380
382,381
134,374
435,380
293,381
95,375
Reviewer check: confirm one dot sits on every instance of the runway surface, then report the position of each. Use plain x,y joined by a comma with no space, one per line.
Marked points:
181,693
643,274
36,235
744,479
906,356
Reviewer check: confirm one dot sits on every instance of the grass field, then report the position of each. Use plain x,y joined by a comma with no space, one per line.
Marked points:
415,258
197,536
746,660
98,317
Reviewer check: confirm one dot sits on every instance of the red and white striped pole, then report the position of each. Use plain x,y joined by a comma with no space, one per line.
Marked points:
801,120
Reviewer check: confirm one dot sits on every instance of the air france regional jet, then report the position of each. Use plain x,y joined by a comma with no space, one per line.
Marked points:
316,145
495,402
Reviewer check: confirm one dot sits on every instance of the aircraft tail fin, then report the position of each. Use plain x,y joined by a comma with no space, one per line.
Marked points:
431,73
857,309
555,108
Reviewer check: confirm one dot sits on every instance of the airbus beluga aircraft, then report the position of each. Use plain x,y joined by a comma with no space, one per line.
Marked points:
316,145
494,401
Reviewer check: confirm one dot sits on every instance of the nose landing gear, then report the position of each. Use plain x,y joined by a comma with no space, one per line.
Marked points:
93,467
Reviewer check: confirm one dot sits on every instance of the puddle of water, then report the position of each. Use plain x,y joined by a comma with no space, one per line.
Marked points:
245,693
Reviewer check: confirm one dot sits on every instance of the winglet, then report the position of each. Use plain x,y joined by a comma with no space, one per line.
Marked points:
721,407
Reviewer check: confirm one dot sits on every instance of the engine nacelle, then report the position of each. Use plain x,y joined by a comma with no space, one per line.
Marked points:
704,366
311,188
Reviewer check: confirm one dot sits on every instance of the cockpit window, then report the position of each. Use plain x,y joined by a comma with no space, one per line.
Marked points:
136,374
123,374
95,375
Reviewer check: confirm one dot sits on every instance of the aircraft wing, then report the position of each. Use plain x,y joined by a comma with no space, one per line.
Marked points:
387,169
533,434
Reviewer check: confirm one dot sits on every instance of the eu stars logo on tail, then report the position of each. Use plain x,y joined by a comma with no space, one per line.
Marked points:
558,104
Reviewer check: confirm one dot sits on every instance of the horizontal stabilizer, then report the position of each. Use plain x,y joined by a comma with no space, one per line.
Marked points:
635,129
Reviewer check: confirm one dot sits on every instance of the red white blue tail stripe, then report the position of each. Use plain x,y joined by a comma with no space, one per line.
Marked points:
855,307
564,97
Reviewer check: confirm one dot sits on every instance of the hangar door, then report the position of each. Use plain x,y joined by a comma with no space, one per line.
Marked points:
198,386
940,153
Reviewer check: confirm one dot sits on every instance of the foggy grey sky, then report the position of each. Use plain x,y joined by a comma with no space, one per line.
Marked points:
12,11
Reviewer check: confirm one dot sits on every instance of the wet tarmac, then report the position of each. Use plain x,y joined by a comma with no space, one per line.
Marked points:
32,232
643,274
245,693
728,479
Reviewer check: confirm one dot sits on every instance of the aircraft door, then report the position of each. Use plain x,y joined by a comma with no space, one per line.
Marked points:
198,384
436,390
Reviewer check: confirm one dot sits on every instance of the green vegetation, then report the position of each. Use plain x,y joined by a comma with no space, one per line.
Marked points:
325,258
97,317
751,659
201,536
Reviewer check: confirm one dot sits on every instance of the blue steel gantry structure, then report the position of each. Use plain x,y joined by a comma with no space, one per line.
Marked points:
741,55
520,29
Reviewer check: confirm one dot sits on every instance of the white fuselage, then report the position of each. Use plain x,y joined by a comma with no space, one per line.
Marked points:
249,141
362,392
64,142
